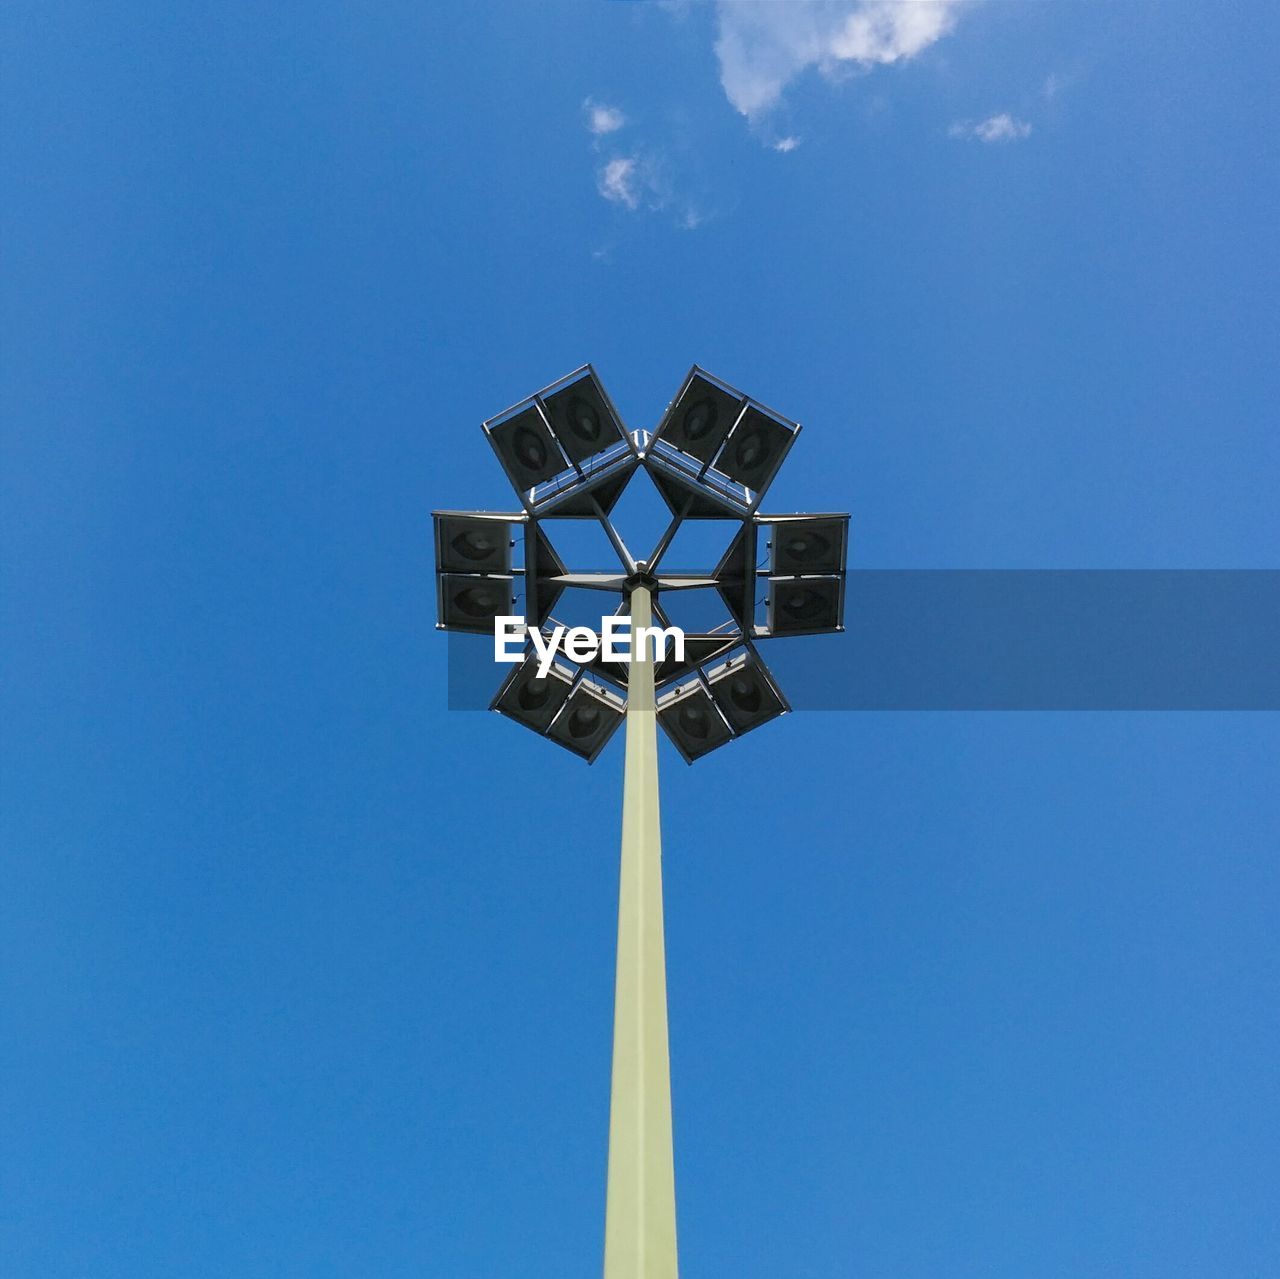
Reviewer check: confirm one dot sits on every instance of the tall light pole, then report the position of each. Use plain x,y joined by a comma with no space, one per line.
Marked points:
711,456
640,1209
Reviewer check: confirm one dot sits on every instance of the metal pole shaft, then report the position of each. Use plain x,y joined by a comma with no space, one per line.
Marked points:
640,1211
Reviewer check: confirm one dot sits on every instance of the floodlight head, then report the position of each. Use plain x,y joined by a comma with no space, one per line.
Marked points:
745,692
755,449
715,451
582,418
807,543
587,720
805,605
473,543
532,699
471,602
700,417
526,448
692,721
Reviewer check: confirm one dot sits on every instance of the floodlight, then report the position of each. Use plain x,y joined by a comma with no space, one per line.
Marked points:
807,543
532,699
805,605
470,603
745,692
755,449
692,721
583,419
473,543
526,448
700,417
587,720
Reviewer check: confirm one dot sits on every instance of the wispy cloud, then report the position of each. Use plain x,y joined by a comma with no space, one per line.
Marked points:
643,182
786,144
616,181
996,128
764,44
601,118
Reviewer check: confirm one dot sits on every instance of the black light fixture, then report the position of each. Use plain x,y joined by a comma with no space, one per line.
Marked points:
473,542
807,543
755,449
700,417
745,692
526,448
692,721
805,605
582,418
470,603
587,720
533,699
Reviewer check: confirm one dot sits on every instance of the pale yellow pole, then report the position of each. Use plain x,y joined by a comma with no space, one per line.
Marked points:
640,1208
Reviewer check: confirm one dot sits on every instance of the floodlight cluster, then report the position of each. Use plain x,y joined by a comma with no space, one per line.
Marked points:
712,456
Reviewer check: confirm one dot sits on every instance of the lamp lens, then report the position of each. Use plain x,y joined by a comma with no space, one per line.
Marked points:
745,694
529,449
585,720
477,601
584,421
693,721
475,545
699,420
803,605
534,694
806,547
752,450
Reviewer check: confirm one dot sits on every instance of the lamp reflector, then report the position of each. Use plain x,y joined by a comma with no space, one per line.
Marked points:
467,544
587,720
470,603
702,415
692,721
753,453
582,419
808,545
526,449
745,692
800,605
533,699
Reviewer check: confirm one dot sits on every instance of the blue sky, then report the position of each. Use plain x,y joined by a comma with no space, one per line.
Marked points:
304,976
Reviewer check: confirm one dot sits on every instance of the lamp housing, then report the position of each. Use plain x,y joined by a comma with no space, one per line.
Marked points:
588,718
805,605
806,543
746,692
471,602
692,721
473,542
531,699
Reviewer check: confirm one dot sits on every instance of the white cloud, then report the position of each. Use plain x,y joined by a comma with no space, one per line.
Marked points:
643,182
786,144
602,119
616,181
996,128
764,44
